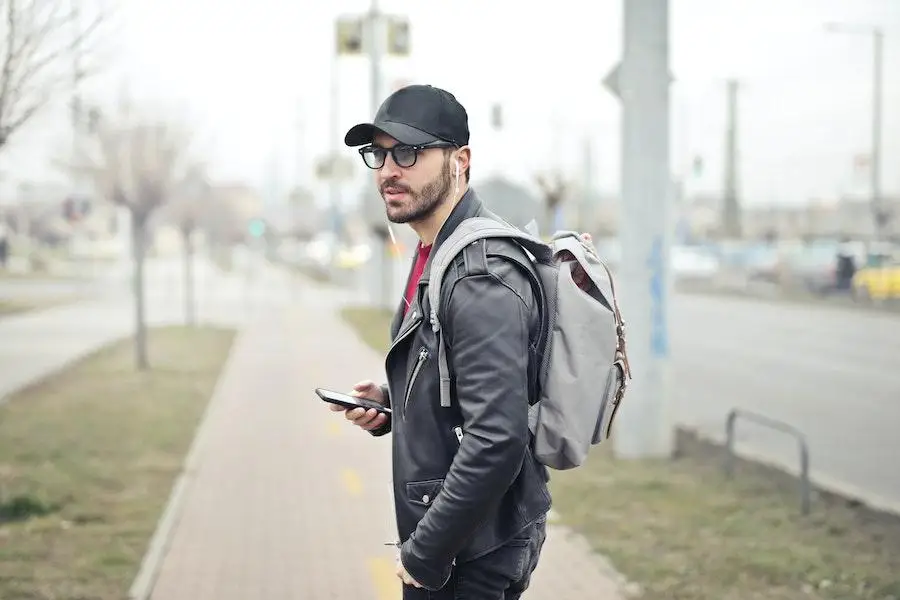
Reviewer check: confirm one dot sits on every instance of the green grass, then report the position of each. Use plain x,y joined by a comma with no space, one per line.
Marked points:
87,461
682,531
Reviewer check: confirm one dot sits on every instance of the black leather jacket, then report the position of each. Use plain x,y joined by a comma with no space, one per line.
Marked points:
465,481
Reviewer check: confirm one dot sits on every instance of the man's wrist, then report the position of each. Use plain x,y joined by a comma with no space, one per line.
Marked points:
429,577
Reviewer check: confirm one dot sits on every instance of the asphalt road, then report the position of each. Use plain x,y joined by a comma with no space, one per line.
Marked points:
831,372
43,289
36,343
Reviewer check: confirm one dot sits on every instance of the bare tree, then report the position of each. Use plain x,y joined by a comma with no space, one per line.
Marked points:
42,44
138,161
186,210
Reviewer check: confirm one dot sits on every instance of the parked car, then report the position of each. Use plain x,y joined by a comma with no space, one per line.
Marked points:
879,278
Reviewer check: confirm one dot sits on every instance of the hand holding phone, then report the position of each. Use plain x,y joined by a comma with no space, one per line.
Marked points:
351,402
365,417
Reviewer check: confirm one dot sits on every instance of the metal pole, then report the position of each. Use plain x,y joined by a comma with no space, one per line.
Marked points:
877,76
375,35
875,171
732,219
644,426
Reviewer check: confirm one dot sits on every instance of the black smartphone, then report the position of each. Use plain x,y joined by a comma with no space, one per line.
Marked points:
349,402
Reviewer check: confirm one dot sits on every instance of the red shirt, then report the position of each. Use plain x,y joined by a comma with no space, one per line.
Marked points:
422,253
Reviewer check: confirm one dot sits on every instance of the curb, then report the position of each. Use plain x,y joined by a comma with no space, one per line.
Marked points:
818,480
151,564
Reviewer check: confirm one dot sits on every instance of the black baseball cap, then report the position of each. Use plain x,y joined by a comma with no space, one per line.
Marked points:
416,115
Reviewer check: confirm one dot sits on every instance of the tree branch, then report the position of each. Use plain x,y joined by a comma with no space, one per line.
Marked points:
38,40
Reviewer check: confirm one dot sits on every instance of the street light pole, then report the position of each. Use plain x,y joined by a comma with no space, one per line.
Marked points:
877,35
875,171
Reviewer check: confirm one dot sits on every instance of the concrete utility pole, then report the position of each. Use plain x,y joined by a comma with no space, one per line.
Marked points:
731,208
376,35
641,81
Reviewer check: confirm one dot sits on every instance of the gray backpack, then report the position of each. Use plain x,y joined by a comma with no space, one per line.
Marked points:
584,366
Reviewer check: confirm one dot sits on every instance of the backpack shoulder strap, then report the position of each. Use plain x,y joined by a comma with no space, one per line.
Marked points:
467,232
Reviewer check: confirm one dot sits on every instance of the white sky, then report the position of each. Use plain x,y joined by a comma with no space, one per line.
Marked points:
255,75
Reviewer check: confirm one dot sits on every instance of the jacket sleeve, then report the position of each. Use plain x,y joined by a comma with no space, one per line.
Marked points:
487,331
386,428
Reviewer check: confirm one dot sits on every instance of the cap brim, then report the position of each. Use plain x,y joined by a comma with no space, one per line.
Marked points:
364,133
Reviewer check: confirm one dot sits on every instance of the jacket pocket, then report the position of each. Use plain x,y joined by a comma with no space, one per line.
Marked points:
423,493
420,362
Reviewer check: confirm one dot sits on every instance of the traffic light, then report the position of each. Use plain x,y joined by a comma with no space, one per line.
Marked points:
398,42
349,36
698,166
257,228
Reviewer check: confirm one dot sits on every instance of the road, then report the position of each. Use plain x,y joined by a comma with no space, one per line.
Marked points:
831,372
36,343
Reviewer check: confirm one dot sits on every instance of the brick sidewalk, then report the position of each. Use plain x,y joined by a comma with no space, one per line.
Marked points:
284,500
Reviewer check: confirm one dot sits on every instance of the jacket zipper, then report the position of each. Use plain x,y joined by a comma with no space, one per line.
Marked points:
458,431
423,355
415,319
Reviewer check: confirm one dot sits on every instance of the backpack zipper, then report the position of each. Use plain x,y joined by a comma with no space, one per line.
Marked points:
423,355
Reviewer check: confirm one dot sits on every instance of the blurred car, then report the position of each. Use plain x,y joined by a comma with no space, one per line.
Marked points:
690,262
879,278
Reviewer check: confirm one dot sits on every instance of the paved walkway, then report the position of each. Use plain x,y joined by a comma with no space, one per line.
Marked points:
283,499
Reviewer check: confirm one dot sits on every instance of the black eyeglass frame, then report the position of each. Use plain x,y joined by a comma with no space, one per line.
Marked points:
416,148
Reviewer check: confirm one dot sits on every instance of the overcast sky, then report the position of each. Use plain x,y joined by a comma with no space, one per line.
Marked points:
255,76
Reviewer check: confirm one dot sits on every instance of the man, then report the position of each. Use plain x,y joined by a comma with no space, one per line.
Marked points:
470,499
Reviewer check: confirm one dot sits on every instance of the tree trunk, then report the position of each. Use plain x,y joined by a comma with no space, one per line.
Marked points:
190,317
138,234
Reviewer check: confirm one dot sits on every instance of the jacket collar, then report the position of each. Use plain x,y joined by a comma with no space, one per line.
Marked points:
468,206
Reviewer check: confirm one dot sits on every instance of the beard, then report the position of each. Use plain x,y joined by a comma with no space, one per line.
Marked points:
419,204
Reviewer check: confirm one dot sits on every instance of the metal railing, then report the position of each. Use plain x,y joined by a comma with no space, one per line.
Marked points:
734,414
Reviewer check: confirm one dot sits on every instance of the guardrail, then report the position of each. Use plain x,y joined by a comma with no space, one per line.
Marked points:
730,427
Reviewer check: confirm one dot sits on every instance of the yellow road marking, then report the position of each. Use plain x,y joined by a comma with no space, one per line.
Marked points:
352,482
384,576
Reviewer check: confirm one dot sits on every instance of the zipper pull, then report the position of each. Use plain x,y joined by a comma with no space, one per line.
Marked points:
458,432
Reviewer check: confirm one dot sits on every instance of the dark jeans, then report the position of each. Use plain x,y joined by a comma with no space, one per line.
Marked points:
503,574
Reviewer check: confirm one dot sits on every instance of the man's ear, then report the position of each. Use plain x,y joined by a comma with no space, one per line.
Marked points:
463,155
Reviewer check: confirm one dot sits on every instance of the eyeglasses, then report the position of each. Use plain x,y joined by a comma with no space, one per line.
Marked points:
404,155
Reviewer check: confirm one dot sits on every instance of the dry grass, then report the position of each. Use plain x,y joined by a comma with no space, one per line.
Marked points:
87,461
14,307
682,531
